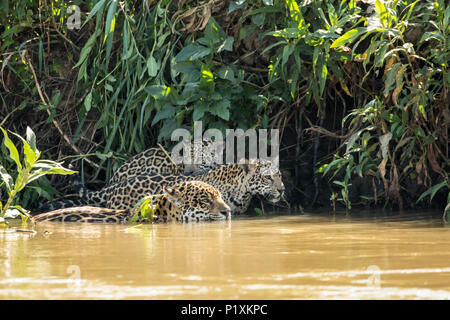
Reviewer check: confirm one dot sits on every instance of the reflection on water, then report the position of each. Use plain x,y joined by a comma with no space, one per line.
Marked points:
277,257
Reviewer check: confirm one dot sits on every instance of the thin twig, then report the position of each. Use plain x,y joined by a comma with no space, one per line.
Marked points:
326,132
167,154
55,123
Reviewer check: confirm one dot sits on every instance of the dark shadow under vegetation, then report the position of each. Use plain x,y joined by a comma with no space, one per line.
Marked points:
358,89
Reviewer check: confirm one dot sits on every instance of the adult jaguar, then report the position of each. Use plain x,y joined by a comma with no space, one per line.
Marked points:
150,161
189,201
157,160
237,183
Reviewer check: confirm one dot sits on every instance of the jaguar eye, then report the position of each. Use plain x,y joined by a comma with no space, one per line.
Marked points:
206,204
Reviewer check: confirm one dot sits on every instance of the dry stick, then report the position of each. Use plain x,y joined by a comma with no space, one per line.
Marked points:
325,132
316,148
253,69
55,123
167,154
299,142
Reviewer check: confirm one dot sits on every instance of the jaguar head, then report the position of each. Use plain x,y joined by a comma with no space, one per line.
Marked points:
198,201
265,180
211,155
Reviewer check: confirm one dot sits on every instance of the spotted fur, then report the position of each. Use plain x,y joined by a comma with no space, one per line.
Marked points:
155,160
189,201
237,183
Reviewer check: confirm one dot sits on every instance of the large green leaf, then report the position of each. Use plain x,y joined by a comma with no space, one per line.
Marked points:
13,153
199,110
192,52
226,73
432,191
152,66
44,167
382,13
7,179
221,109
30,156
347,37
31,139
167,111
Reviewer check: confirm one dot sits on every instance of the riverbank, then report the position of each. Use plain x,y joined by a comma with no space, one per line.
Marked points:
358,90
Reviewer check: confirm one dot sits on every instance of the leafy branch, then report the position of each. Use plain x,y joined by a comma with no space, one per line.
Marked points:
29,169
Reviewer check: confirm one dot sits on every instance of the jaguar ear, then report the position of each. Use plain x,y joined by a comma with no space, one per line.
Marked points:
171,192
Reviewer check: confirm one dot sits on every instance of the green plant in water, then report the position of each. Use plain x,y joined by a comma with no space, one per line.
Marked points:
28,170
344,193
259,212
145,209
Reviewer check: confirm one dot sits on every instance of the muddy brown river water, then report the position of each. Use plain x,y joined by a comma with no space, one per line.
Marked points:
276,257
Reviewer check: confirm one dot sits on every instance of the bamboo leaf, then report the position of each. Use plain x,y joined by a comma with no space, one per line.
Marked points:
97,7
432,191
110,18
152,66
351,141
87,48
323,77
192,52
88,101
348,37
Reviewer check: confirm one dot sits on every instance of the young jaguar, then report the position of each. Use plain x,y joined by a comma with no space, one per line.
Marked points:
237,183
189,201
156,160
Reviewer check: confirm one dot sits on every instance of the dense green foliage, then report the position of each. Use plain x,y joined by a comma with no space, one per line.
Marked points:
360,88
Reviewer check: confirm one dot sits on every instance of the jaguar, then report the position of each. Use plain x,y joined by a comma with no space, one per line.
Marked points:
157,160
237,183
188,201
150,161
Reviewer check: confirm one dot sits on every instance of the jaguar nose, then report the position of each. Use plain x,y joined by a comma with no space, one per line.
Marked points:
226,213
